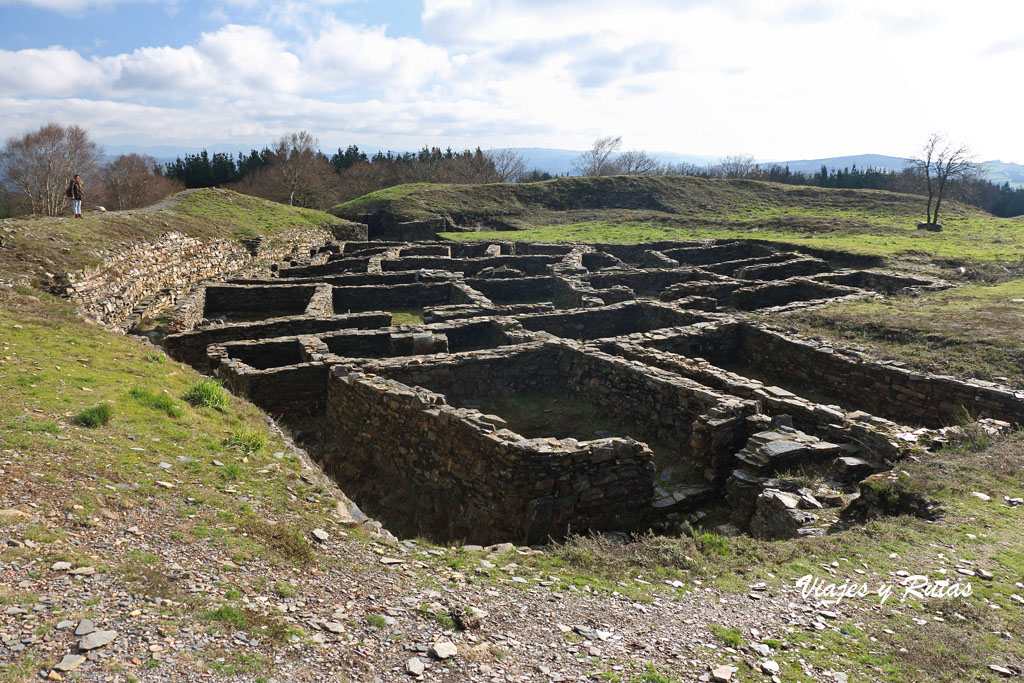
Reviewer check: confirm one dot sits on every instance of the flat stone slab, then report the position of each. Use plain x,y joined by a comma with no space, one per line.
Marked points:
70,663
97,639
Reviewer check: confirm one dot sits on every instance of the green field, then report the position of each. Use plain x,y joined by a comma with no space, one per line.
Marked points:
648,209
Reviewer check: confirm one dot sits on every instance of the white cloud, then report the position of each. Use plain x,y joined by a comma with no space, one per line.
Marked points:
783,79
51,71
343,56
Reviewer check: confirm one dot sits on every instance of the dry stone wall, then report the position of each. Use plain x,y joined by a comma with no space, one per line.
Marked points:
662,413
174,263
462,476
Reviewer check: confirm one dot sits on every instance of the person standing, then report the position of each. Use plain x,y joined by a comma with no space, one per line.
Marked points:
75,192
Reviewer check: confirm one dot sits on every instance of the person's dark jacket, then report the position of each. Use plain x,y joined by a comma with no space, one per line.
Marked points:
76,189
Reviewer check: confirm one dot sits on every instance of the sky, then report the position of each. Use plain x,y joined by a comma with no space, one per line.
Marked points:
777,79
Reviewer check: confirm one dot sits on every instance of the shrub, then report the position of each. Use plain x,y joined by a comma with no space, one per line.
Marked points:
97,416
155,401
207,392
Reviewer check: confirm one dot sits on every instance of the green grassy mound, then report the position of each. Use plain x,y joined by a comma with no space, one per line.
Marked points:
35,246
645,209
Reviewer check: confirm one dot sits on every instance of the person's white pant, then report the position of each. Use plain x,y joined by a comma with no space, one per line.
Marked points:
76,206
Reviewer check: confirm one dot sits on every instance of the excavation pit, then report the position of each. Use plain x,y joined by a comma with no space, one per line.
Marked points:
243,303
610,321
488,415
698,429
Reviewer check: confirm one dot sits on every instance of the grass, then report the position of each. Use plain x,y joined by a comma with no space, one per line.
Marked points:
440,616
94,416
729,636
376,620
247,440
158,402
207,393
968,331
632,210
37,419
410,317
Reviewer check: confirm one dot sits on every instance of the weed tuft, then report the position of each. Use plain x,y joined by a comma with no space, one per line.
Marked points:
155,401
284,539
96,416
207,393
376,620
729,636
247,440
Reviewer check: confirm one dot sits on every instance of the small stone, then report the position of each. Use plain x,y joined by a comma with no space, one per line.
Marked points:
321,535
83,571
414,667
770,667
85,627
981,496
334,627
54,676
70,663
1001,670
60,566
761,649
67,623
97,639
443,649
723,673
585,631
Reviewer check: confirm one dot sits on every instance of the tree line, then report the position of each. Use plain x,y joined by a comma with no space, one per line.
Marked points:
294,171
36,167
941,170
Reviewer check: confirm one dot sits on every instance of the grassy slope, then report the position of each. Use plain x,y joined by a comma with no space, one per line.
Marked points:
969,331
59,245
54,365
621,209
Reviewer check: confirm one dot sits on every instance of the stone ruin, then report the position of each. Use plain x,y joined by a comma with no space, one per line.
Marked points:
518,391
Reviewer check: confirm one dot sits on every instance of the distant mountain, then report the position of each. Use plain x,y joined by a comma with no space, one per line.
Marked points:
1004,172
861,161
996,171
559,161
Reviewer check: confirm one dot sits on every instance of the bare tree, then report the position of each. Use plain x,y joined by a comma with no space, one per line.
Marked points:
294,161
40,165
133,180
940,162
734,166
599,159
637,162
508,164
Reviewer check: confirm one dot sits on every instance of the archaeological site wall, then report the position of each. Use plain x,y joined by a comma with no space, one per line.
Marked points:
552,387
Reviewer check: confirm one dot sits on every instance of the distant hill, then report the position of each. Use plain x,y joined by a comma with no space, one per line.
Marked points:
996,171
860,160
559,161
